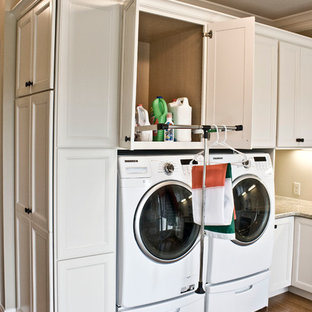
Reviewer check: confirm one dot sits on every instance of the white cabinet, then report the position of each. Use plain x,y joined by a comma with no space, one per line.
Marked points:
86,202
23,263
33,201
281,267
302,270
230,77
88,74
35,50
295,93
34,157
175,60
87,284
264,108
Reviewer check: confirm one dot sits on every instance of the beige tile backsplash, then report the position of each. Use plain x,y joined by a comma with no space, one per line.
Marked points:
293,166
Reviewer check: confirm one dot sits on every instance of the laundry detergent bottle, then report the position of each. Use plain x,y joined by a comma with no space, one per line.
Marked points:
160,111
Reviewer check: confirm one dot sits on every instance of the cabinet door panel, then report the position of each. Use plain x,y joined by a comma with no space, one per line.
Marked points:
129,70
41,158
86,203
230,77
40,270
88,78
281,267
23,264
289,66
87,284
303,122
22,152
265,93
302,270
43,47
24,54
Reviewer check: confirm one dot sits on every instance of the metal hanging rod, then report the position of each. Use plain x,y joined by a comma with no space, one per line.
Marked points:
205,128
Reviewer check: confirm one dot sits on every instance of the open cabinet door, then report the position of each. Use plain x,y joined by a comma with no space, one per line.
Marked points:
129,77
230,77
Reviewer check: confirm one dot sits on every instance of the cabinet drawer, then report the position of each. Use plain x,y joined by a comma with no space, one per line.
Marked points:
249,294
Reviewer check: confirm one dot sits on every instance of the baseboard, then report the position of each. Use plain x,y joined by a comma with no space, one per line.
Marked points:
278,292
10,310
300,292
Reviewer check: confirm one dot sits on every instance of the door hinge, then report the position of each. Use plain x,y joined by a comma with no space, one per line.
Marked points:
208,34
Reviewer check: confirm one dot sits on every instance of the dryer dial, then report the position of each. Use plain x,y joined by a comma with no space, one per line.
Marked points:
169,168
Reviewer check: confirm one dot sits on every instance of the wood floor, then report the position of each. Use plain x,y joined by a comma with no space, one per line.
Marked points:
289,302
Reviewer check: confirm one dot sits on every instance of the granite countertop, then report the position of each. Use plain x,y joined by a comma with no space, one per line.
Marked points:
286,207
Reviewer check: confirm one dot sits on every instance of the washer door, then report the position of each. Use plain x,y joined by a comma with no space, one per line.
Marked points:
164,227
252,206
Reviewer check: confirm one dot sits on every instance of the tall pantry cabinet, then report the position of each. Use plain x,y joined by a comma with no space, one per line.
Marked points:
66,155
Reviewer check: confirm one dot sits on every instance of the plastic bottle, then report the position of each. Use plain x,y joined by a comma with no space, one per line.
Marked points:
182,115
143,120
160,111
169,134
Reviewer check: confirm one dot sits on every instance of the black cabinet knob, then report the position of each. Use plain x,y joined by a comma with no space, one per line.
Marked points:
28,211
275,226
300,140
29,83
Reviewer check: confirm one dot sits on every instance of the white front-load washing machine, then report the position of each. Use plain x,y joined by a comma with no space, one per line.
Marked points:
158,251
238,271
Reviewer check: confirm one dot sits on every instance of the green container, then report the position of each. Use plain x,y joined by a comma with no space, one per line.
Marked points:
160,111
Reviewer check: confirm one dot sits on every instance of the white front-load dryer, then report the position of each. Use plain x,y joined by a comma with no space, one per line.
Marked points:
158,250
251,251
238,270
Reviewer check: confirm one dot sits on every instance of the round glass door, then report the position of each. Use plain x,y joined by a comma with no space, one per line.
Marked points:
252,206
164,226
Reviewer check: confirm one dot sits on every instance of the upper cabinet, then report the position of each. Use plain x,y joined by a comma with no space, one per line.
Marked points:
295,94
87,78
227,72
35,50
168,51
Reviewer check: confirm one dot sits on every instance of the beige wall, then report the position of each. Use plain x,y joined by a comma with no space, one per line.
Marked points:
293,166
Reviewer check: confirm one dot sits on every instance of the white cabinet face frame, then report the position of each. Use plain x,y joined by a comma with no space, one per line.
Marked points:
87,284
24,56
302,270
88,74
85,202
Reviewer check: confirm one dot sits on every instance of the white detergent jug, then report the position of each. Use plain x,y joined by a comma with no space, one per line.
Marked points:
182,115
143,120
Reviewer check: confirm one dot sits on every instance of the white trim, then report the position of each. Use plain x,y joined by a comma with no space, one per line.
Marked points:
10,310
278,292
300,292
